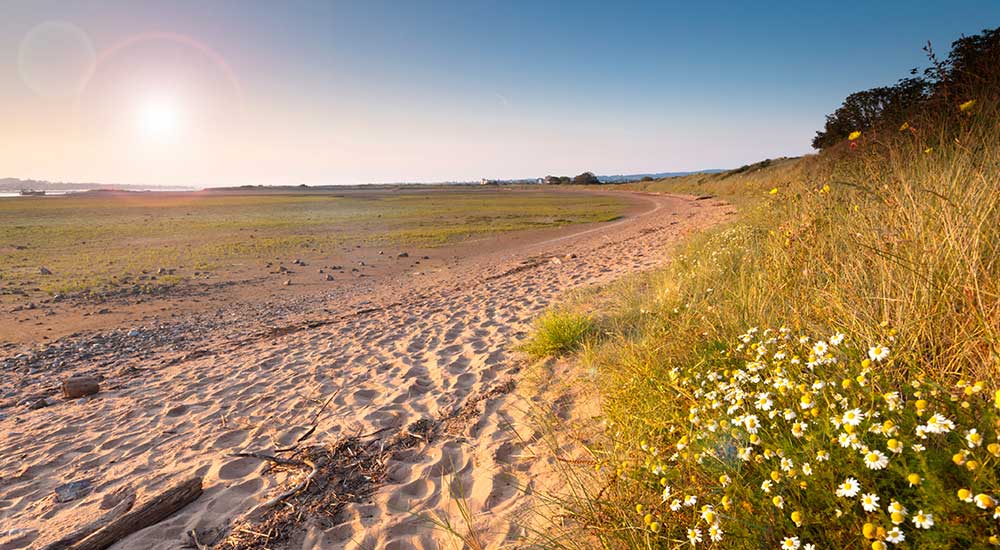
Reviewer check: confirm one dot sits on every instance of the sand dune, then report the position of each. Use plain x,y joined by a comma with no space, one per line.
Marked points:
416,348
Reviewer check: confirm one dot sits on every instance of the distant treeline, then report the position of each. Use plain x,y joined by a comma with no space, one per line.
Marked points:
946,89
586,178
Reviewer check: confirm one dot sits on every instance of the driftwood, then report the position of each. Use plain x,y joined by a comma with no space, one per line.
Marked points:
83,532
153,511
80,386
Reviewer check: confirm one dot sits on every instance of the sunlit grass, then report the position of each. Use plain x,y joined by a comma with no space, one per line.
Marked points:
558,332
894,244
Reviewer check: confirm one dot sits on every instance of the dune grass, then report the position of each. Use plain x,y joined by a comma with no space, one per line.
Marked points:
845,329
557,333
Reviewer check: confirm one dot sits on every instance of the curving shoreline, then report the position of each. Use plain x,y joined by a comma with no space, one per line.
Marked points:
393,352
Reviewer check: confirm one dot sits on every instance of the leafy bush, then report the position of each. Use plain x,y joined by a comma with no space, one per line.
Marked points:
971,70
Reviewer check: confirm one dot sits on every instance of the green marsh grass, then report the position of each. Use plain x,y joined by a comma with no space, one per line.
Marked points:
91,242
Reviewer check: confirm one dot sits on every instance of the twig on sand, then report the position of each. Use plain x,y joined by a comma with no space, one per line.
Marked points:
269,458
193,535
376,432
315,423
301,485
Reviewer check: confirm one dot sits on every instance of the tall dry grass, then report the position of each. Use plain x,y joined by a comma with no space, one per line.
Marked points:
892,240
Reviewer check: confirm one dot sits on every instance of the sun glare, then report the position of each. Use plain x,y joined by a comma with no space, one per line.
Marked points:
158,118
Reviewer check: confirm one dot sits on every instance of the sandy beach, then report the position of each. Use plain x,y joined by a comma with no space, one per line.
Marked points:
418,363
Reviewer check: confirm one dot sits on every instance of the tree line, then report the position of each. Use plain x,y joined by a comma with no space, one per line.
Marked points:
970,73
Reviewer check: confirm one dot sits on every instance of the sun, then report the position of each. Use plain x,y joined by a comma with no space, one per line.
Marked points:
158,118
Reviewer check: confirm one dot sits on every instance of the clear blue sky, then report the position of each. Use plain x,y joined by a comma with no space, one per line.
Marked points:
233,92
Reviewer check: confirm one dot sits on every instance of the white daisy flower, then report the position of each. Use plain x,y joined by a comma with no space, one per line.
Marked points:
869,501
876,460
984,501
852,417
849,488
820,348
922,520
878,352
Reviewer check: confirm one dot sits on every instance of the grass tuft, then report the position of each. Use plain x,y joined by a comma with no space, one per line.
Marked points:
558,333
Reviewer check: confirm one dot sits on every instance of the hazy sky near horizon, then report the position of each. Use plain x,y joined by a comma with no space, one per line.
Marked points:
232,92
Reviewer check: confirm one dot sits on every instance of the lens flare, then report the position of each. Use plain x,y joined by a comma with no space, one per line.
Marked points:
55,59
158,118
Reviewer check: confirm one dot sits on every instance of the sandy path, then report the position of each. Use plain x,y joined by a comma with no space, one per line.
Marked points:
412,349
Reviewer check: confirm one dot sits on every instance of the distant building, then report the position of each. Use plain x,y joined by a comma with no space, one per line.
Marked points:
485,181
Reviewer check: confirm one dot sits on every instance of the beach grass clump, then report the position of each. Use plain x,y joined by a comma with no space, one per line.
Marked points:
559,332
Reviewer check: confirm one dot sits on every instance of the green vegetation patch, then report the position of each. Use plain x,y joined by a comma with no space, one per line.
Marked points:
559,332
93,242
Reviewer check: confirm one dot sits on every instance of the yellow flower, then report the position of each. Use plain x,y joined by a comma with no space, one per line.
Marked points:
964,495
868,531
913,479
994,449
647,519
638,508
773,191
879,545
904,127
967,105
826,188
797,518
929,150
856,134
654,527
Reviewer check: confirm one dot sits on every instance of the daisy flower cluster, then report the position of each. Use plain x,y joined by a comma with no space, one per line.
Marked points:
792,441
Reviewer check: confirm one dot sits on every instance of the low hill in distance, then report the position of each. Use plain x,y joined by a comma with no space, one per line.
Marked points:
13,185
